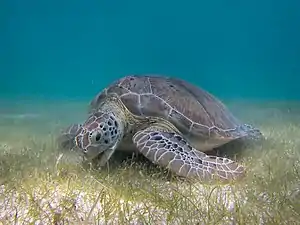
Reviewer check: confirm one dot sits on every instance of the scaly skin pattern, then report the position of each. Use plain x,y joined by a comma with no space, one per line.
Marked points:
172,151
160,142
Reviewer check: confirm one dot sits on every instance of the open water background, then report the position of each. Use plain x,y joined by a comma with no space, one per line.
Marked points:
67,49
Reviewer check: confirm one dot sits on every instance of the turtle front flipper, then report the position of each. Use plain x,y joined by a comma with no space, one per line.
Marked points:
171,151
66,139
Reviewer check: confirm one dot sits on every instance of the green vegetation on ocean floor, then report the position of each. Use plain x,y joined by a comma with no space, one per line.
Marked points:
40,187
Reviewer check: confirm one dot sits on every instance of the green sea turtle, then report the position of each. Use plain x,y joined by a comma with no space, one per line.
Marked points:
168,120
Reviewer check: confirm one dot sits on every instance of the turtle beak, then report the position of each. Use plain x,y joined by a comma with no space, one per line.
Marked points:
92,152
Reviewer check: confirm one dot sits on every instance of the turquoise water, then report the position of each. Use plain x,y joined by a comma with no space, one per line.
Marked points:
72,49
55,56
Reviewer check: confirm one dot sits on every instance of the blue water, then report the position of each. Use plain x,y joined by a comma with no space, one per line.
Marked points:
72,49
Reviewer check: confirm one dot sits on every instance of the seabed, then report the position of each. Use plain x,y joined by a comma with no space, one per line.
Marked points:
40,185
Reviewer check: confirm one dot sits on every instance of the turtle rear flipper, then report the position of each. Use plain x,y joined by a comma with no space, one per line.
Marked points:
248,132
66,139
172,151
253,132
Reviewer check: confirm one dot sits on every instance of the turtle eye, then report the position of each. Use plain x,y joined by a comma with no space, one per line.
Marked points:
98,137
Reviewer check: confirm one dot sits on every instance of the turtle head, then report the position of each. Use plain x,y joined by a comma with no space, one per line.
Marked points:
100,132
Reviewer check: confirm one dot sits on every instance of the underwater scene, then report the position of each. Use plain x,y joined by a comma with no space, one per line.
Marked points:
150,112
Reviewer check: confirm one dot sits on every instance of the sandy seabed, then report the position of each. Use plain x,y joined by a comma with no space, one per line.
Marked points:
39,187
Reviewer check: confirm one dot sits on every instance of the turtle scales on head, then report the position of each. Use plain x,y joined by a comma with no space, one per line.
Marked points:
168,120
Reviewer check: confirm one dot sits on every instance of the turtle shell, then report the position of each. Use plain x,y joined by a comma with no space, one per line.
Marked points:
192,110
